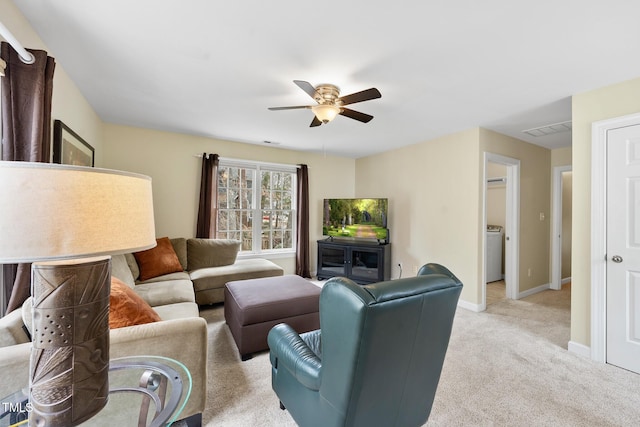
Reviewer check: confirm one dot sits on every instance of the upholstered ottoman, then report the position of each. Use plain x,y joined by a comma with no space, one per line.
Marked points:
252,307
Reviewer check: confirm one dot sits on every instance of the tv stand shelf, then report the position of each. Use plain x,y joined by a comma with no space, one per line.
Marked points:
361,262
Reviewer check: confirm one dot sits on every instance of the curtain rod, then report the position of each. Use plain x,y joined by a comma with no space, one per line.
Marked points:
252,161
25,56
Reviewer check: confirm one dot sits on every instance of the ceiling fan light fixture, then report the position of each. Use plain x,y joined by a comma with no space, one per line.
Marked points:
325,112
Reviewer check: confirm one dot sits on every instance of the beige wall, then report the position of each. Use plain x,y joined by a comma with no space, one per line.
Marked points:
605,103
170,160
434,199
535,197
435,204
68,104
561,157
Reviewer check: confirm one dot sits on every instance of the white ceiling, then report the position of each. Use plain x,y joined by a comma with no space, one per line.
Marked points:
212,68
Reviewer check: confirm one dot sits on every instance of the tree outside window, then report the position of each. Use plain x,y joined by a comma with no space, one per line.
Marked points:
256,205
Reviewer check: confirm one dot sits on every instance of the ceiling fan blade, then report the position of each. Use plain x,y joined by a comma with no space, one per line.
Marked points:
289,108
315,122
364,95
356,115
308,88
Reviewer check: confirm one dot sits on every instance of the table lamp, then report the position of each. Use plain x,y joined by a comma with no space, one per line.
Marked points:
67,220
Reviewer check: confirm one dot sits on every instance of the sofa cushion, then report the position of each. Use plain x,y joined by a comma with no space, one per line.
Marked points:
178,275
204,253
250,268
209,282
159,260
166,292
182,310
133,266
120,269
126,308
180,246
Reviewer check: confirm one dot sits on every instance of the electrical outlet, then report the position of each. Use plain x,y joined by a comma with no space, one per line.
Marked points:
529,272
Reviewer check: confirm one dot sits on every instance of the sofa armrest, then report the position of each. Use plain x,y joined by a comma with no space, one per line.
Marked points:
288,350
12,330
14,368
182,339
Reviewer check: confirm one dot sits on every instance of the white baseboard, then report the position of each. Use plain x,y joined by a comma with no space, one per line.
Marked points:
534,290
565,280
470,306
579,349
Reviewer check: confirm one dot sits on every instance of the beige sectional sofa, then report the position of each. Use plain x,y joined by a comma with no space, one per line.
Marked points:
206,266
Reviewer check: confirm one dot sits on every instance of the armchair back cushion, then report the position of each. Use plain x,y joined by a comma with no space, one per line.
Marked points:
382,350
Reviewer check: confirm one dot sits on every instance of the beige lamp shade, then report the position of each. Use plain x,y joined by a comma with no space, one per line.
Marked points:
50,212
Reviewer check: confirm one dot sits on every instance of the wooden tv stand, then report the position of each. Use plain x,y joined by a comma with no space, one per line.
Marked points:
361,262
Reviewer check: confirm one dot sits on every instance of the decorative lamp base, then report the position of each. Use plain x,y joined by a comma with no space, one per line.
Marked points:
69,378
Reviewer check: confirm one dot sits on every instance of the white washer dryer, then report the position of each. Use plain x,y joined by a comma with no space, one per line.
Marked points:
493,256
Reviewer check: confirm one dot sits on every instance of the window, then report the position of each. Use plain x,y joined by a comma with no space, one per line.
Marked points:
256,205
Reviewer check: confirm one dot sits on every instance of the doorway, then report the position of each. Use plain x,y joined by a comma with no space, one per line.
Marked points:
495,211
562,227
511,169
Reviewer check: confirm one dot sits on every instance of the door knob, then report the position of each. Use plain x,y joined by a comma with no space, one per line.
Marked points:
616,258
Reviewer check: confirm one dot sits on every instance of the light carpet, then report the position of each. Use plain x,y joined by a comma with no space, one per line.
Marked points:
507,366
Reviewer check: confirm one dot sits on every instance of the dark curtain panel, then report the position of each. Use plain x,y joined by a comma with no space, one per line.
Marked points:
27,91
208,207
302,229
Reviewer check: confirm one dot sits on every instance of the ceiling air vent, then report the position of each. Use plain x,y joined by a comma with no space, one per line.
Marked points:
549,129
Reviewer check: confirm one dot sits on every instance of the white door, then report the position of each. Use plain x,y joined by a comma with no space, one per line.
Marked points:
623,248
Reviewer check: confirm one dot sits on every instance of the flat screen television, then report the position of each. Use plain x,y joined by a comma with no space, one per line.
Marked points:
355,218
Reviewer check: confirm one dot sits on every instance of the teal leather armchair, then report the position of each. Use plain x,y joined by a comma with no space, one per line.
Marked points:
377,357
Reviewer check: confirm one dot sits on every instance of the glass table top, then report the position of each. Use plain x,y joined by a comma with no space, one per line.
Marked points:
144,391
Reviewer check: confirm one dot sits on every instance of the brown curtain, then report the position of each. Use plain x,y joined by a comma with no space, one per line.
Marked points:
302,229
27,91
208,207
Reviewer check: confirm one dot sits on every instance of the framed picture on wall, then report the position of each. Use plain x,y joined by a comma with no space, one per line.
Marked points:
69,148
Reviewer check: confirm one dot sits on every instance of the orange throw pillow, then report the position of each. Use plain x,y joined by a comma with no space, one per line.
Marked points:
157,261
126,308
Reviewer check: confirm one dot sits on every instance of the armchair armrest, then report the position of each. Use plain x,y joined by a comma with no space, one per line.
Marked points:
288,350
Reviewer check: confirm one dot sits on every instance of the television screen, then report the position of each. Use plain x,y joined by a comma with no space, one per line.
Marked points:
355,218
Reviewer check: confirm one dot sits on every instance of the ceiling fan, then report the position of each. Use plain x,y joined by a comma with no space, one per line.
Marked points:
330,103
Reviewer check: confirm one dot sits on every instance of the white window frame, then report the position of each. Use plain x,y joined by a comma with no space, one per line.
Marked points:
257,250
